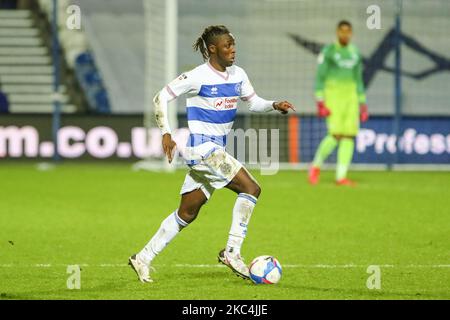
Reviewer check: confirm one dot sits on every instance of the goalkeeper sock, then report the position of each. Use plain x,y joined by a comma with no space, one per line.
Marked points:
344,157
242,212
326,147
167,231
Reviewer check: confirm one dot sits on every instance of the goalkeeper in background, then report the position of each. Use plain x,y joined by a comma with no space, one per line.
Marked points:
341,100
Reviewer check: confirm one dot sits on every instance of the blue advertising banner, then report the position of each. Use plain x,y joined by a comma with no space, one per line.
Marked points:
423,140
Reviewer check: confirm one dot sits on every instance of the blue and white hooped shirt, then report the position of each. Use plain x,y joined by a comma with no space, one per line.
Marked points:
211,105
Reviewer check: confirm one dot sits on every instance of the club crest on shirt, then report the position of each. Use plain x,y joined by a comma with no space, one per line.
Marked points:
238,89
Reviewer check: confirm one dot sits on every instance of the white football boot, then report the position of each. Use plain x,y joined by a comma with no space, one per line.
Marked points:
141,269
235,263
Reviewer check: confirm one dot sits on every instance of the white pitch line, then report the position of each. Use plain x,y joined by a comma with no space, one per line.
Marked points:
290,266
111,265
199,266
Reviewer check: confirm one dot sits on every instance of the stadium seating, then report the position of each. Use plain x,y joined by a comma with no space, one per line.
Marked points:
26,64
4,103
8,4
91,83
26,72
80,59
115,30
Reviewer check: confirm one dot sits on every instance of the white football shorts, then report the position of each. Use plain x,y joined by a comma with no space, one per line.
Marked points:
214,172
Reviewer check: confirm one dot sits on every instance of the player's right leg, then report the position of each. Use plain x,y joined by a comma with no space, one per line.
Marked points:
190,205
326,147
328,143
333,101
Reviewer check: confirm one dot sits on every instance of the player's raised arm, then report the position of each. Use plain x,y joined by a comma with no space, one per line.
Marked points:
322,71
363,109
161,116
160,102
181,85
258,104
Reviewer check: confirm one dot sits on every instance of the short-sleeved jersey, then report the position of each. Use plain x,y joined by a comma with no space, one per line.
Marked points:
211,105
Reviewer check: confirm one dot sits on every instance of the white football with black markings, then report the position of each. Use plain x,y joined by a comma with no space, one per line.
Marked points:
265,270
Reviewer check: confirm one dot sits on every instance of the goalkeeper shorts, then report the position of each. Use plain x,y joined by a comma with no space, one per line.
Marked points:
344,117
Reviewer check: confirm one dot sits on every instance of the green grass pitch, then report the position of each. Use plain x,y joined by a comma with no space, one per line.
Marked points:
96,215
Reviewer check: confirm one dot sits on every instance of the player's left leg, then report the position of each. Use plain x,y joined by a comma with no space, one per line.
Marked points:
344,159
326,147
248,192
225,171
349,130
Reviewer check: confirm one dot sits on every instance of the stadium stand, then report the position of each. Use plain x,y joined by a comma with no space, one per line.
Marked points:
4,104
26,63
26,72
107,23
80,59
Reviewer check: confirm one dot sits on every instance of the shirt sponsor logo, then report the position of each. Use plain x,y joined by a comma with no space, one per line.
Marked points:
347,64
219,104
225,103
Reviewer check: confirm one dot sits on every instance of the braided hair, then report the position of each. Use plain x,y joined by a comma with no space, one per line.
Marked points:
207,38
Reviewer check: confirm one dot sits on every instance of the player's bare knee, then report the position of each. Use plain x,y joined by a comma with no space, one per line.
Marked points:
254,189
188,215
257,191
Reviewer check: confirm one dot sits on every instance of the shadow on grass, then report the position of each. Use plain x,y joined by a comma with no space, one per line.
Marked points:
370,294
10,296
197,283
128,287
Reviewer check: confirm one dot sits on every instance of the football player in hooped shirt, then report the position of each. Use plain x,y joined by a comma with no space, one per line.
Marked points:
212,91
341,99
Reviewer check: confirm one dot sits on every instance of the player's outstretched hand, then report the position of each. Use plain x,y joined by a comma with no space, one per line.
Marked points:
169,146
322,110
283,107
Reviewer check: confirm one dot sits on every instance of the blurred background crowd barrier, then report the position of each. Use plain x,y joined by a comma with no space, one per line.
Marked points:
88,90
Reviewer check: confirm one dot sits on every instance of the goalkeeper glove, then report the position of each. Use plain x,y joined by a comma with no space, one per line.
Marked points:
363,112
322,110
